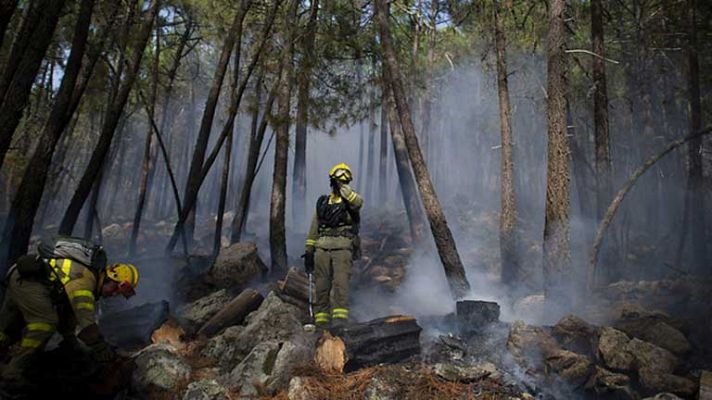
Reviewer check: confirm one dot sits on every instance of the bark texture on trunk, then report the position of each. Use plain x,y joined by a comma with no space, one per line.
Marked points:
111,120
18,226
277,232
508,216
383,158
454,270
556,249
16,88
604,183
299,184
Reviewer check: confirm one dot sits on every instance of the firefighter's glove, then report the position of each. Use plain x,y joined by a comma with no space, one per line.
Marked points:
309,260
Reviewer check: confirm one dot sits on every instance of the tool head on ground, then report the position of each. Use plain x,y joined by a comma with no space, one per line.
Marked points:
309,328
341,172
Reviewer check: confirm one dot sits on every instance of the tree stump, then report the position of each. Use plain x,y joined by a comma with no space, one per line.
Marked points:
384,340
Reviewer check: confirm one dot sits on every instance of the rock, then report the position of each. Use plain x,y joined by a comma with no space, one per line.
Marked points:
530,344
274,320
221,348
112,231
466,373
252,373
607,384
651,357
298,389
206,389
293,354
658,381
200,311
134,327
656,332
474,315
572,367
158,369
575,334
612,345
380,388
663,396
236,265
705,386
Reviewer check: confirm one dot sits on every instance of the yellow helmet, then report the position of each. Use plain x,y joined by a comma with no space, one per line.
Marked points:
123,273
341,172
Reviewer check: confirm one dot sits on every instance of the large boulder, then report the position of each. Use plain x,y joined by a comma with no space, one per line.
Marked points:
651,357
252,373
657,332
200,311
530,345
206,389
657,381
574,368
466,373
158,370
236,265
612,349
607,384
274,320
221,348
293,354
575,334
299,389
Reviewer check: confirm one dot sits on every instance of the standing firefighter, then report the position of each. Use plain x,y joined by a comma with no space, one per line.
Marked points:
331,246
55,291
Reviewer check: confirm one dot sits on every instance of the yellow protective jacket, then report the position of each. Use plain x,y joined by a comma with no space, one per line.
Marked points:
81,287
315,240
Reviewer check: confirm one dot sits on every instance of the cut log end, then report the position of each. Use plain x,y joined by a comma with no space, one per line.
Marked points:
330,355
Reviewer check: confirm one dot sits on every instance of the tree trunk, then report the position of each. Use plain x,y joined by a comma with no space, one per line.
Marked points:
371,161
508,217
277,233
454,270
694,197
604,183
31,18
383,158
299,184
187,226
18,226
111,120
149,152
7,9
556,249
15,95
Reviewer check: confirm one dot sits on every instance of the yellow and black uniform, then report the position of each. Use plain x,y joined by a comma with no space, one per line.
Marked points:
332,240
62,301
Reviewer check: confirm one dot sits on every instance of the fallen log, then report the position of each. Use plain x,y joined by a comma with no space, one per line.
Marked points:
384,340
295,285
233,313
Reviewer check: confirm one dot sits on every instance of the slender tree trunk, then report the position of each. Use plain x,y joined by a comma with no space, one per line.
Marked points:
111,120
150,151
299,184
454,270
383,159
16,94
277,233
91,209
557,252
371,163
7,9
508,217
18,226
694,197
604,183
223,195
30,19
187,226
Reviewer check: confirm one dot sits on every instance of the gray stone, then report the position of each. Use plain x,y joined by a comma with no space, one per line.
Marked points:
658,381
254,371
236,265
158,368
529,344
612,348
200,311
206,389
466,373
610,384
381,389
651,357
572,367
293,354
222,349
274,320
298,389
657,332
575,334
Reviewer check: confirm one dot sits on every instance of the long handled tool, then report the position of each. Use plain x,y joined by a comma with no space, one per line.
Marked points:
310,327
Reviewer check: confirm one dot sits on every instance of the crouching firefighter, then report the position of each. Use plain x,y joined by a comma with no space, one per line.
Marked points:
331,246
56,291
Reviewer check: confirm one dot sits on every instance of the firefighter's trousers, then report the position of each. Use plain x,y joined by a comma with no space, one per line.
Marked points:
332,273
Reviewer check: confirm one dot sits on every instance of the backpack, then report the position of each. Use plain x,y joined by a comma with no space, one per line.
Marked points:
83,251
